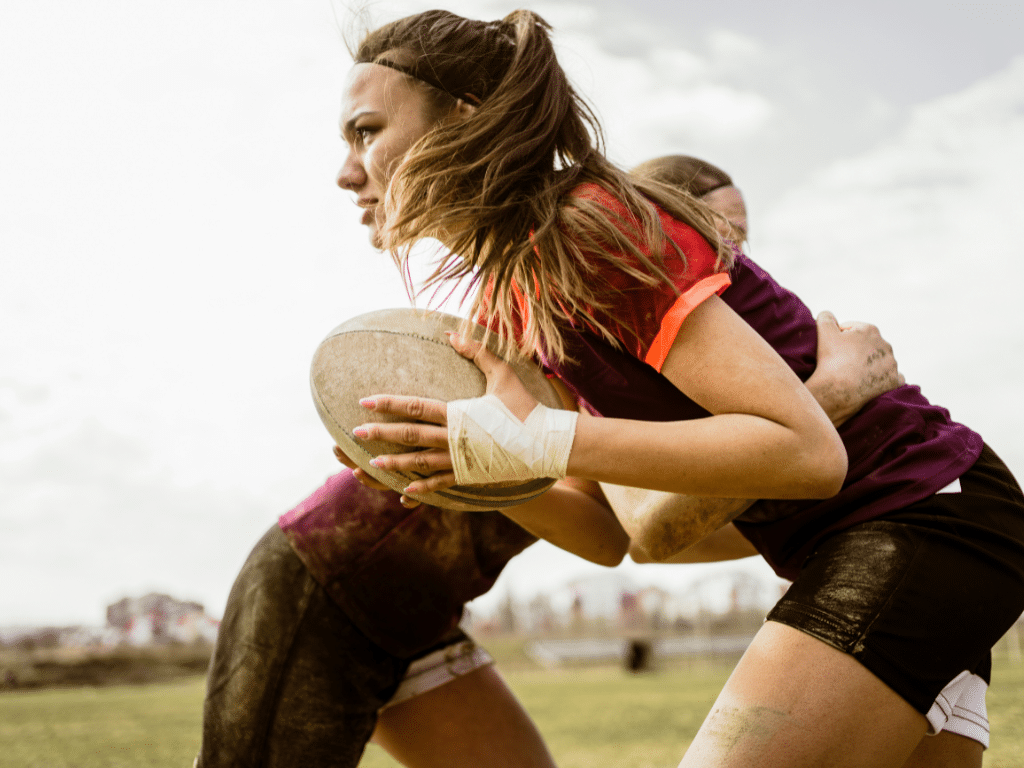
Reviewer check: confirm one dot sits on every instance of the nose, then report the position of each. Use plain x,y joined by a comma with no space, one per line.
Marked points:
351,175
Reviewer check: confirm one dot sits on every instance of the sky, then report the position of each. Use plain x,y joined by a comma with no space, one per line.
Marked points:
173,247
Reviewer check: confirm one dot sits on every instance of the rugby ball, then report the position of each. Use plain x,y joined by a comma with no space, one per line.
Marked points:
406,352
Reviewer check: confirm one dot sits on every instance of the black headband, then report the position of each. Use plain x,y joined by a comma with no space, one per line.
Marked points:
423,77
464,58
716,187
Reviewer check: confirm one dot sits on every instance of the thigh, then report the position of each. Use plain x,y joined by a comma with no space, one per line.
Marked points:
795,701
292,682
946,750
471,721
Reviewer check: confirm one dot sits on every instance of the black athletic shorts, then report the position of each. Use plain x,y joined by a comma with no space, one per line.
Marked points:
922,594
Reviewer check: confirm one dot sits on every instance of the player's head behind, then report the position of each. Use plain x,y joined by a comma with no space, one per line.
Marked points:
708,183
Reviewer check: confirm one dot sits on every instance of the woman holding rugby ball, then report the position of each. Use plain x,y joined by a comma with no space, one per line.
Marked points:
469,133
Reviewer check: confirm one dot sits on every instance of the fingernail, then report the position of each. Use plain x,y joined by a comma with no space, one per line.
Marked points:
368,402
411,489
360,432
376,463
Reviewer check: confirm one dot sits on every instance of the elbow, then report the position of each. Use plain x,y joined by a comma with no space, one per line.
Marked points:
641,556
658,540
611,559
609,556
826,470
838,476
609,551
638,554
615,554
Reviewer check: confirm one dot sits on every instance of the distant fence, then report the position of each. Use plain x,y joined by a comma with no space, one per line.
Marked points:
599,650
560,653
123,665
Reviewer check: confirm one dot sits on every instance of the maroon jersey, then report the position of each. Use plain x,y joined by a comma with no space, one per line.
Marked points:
402,575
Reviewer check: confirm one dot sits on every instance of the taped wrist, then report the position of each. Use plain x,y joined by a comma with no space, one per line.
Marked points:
488,444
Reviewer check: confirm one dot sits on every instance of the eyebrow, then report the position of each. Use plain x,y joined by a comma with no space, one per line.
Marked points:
349,125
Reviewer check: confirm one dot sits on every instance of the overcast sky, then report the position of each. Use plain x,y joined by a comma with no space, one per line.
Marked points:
172,247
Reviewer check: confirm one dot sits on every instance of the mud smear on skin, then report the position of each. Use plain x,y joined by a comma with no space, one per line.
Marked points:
751,728
674,532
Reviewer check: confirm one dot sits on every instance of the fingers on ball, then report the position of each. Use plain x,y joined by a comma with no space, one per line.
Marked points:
436,482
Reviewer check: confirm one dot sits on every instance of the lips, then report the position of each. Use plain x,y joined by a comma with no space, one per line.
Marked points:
369,207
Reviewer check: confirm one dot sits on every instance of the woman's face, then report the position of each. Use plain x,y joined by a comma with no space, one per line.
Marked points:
382,115
729,203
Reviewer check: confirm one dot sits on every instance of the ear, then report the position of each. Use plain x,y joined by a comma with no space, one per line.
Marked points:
465,108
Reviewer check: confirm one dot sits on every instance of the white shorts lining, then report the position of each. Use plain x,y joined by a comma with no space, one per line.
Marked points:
440,667
960,708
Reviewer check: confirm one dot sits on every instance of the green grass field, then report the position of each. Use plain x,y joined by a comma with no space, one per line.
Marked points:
592,718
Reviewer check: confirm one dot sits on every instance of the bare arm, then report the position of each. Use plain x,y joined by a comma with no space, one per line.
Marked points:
574,516
727,543
663,525
766,437
855,365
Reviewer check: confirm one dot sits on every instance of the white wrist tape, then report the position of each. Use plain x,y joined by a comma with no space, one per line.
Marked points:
489,444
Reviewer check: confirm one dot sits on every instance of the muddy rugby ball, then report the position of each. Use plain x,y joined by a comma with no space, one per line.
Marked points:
406,352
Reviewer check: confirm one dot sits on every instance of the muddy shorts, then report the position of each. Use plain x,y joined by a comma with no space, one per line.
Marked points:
293,682
920,596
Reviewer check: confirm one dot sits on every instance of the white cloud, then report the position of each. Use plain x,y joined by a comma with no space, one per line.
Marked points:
706,113
734,48
661,98
918,236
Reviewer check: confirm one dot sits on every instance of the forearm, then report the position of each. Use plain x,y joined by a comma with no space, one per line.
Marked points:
662,525
574,516
726,543
837,399
728,455
766,437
